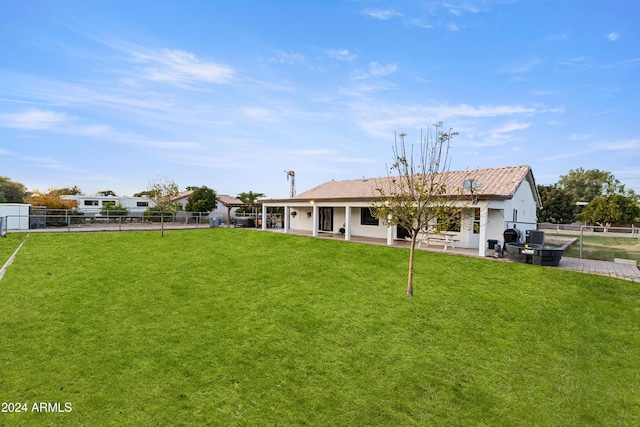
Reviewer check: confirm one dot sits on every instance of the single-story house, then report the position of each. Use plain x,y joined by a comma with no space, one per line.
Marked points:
502,198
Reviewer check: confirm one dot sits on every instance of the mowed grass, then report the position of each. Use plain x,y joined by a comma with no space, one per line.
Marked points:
606,248
249,328
8,246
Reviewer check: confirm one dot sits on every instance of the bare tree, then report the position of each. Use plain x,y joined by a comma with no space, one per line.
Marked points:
163,192
415,195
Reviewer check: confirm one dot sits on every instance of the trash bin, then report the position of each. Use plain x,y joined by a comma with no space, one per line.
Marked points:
214,222
492,243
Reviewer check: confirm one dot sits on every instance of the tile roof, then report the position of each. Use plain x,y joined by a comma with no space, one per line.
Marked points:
228,200
498,183
183,194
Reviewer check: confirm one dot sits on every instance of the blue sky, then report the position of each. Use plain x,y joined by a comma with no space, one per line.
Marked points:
230,94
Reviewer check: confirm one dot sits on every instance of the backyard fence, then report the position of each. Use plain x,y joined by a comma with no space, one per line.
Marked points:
71,222
621,244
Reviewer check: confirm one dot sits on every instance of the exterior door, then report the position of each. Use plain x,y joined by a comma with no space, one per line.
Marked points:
326,219
474,236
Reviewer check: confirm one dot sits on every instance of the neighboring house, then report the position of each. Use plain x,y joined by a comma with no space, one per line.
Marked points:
92,205
182,198
226,207
507,199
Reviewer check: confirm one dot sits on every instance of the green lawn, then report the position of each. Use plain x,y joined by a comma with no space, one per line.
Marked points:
605,248
8,245
240,327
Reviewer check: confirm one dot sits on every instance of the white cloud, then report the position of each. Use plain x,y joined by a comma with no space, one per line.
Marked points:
33,119
510,127
329,156
613,36
543,92
379,70
281,57
484,110
383,15
178,66
383,120
632,144
47,162
341,54
522,68
376,70
453,27
258,114
557,37
578,60
458,10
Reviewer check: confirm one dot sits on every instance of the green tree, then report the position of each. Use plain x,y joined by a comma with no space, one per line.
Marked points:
558,206
610,209
203,199
163,192
415,192
586,185
249,198
69,191
107,193
11,191
114,210
142,193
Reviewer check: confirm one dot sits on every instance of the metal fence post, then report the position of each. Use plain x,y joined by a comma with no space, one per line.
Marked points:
581,239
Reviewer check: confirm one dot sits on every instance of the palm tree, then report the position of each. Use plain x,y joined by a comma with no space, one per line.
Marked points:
250,197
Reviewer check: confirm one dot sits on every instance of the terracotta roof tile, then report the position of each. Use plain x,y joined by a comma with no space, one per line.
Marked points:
228,200
498,183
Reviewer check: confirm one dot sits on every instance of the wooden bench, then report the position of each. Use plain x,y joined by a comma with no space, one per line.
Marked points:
429,238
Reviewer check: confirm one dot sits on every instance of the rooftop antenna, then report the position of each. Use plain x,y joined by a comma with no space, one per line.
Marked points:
473,185
291,174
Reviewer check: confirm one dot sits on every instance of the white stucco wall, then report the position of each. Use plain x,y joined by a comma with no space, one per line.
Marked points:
520,211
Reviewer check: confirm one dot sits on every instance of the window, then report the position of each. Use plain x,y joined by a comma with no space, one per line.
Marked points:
476,221
91,203
143,204
449,221
367,218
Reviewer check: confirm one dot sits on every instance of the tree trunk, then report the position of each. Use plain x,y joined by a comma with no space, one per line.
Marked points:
410,275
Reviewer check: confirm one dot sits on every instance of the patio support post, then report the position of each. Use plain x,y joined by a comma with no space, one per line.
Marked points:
389,233
347,223
264,217
287,213
314,218
484,223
